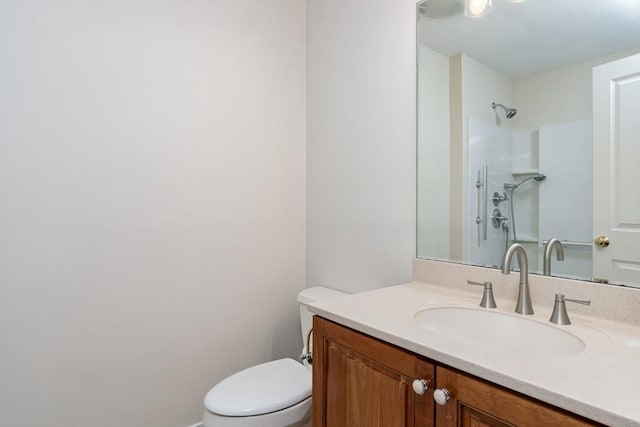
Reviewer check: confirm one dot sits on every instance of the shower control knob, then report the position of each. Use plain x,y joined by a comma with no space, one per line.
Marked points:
601,241
441,396
420,386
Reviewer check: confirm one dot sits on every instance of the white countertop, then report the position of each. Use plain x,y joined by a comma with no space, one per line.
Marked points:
602,382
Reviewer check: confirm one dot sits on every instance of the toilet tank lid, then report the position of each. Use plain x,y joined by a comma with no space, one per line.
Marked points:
260,389
317,293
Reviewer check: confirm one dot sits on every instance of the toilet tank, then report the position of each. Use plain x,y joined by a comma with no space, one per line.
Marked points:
309,295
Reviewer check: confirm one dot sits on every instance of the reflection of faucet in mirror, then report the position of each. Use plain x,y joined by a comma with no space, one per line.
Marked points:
524,297
548,249
511,188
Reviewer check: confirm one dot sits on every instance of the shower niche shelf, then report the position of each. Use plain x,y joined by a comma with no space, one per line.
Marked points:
524,172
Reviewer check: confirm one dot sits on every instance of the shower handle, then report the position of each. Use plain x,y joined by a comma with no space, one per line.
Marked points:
497,219
498,198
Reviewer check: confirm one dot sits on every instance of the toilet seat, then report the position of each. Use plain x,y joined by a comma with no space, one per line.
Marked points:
261,389
294,416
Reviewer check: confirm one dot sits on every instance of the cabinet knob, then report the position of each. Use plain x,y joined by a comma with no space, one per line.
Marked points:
441,396
420,386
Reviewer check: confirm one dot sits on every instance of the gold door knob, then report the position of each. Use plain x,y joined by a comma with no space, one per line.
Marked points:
601,241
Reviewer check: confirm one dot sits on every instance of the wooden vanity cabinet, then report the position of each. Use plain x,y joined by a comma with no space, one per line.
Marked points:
360,381
478,403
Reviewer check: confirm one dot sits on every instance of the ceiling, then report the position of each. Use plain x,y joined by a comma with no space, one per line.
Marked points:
528,36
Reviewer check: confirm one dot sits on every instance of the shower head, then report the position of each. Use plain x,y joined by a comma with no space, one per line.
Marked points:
511,187
509,112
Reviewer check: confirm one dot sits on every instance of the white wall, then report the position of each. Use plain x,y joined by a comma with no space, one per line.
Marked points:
360,143
483,85
434,191
560,95
152,219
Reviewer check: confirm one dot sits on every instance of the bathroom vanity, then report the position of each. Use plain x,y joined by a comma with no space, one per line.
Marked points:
377,363
362,381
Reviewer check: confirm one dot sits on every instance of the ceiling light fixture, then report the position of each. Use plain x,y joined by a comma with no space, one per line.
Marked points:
476,8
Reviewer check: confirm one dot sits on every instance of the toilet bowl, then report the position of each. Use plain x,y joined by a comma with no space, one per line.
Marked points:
272,394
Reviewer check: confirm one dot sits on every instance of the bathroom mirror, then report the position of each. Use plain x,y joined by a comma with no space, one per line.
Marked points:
516,99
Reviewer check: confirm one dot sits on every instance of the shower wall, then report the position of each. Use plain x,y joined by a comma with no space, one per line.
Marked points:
541,210
566,202
524,163
489,165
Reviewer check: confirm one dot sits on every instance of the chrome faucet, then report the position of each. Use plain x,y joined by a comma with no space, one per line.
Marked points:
548,249
524,297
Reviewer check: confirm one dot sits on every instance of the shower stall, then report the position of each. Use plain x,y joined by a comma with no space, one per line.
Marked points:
509,199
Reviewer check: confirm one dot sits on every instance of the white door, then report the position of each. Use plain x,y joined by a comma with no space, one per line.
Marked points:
616,170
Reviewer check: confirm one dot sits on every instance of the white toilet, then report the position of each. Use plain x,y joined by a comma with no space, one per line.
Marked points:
273,394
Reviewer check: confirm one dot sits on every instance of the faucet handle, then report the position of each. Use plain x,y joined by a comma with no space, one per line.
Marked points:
579,301
559,315
487,297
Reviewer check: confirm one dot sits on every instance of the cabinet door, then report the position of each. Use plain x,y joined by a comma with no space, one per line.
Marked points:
476,403
359,381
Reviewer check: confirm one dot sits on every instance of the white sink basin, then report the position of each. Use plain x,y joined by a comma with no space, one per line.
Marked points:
498,330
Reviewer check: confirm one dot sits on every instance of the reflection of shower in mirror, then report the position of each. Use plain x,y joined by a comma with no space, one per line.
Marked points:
508,112
511,187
